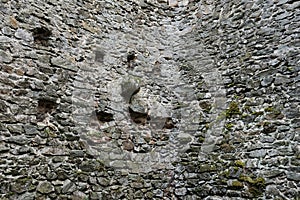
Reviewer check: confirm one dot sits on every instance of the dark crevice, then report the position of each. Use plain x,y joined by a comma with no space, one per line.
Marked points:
45,106
103,116
99,56
41,35
138,118
131,56
169,123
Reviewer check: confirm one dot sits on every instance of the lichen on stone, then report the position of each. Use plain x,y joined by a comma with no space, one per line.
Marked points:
233,109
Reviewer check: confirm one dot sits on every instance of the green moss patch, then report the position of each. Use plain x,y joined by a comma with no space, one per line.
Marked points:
239,163
237,184
233,110
256,186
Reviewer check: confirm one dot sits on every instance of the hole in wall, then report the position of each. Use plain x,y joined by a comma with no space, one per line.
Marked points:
138,118
169,123
45,107
128,145
99,56
131,57
41,35
103,116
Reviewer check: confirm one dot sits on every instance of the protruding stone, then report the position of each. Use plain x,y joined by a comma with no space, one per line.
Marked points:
45,187
258,153
68,187
5,57
180,191
23,35
173,3
64,63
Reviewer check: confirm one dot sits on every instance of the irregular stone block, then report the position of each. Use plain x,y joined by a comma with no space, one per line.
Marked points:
45,187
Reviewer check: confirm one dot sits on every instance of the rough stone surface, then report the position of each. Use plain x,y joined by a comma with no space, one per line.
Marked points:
45,187
152,99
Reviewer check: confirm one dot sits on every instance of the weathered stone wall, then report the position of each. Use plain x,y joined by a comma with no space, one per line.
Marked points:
149,99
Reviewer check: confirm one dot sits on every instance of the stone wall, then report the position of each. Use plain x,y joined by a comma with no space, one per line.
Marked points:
134,99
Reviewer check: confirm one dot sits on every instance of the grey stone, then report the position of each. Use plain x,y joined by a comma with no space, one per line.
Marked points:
21,140
45,187
103,181
139,103
149,195
21,185
77,195
258,153
267,81
116,156
292,113
6,30
180,191
64,63
4,148
30,130
51,176
54,151
186,52
4,39
27,196
293,176
24,150
184,138
5,57
283,15
158,193
77,153
96,195
90,166
119,164
137,185
272,173
68,187
16,128
24,35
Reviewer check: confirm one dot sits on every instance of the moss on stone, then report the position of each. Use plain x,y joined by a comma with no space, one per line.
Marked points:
255,192
269,109
239,163
230,85
256,182
22,184
257,113
256,186
272,110
221,116
227,147
245,57
237,184
259,181
247,109
233,109
245,116
201,139
225,173
207,168
49,132
206,106
186,67
236,169
229,126
246,178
